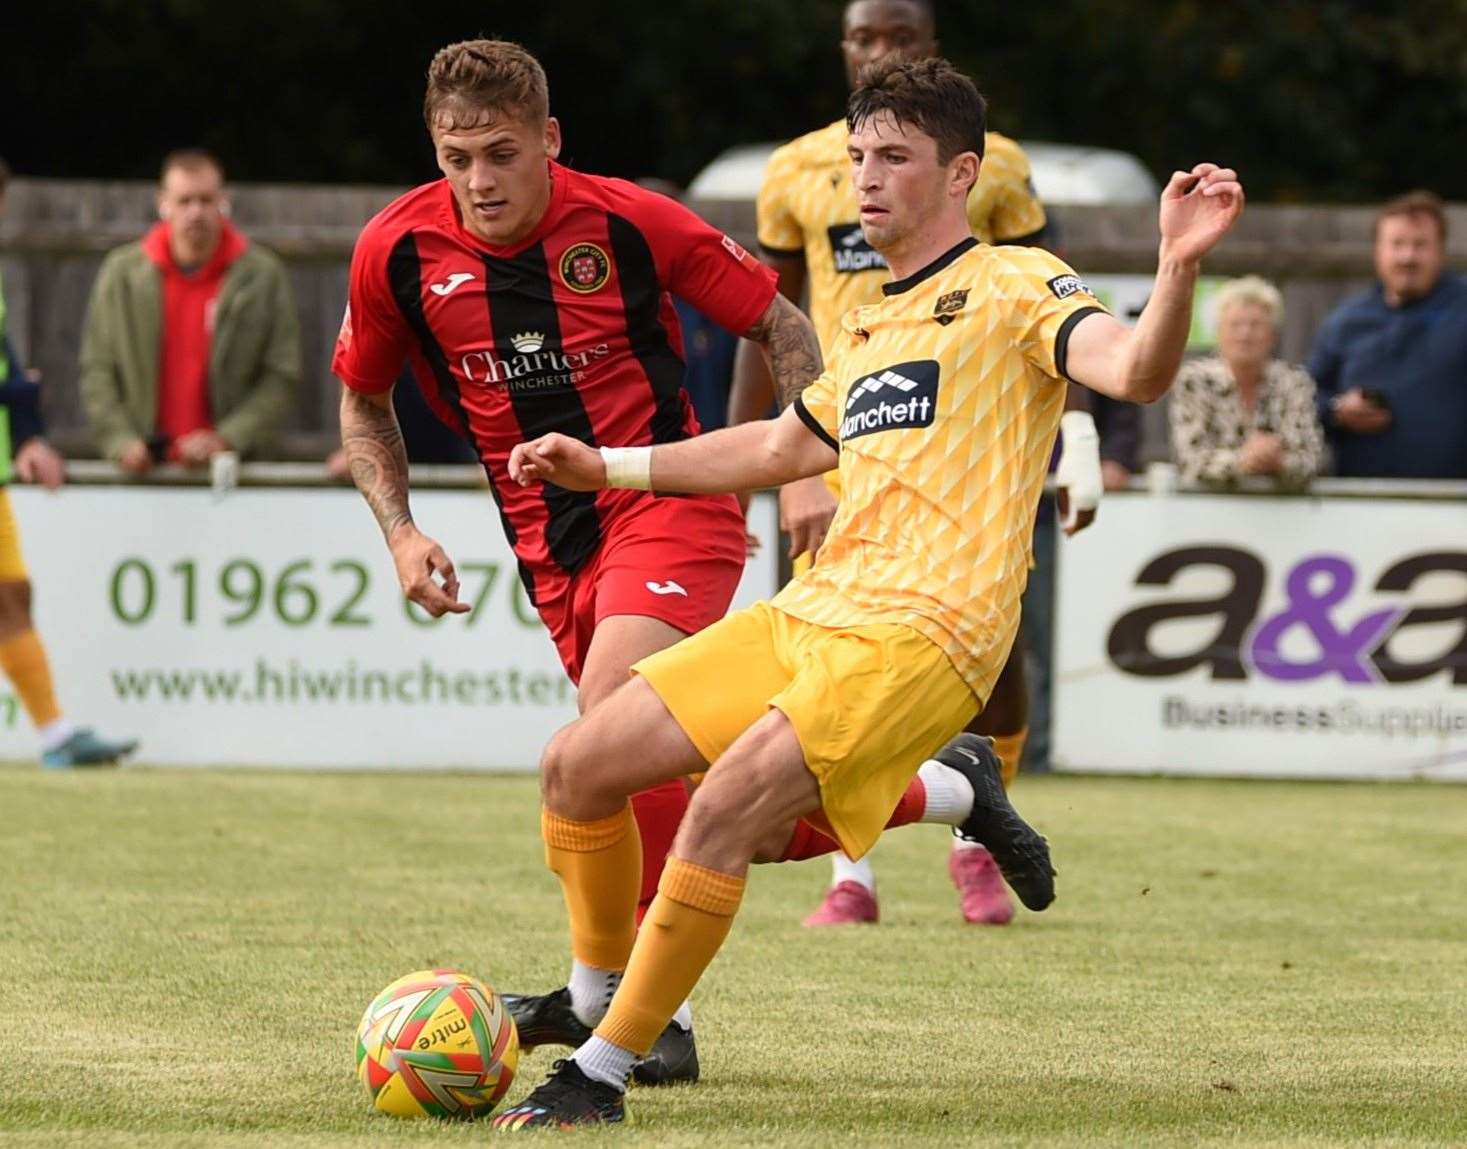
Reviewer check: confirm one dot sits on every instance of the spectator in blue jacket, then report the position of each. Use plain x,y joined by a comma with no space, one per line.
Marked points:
1390,364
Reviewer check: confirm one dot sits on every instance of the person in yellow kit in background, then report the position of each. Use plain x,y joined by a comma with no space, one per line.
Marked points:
25,455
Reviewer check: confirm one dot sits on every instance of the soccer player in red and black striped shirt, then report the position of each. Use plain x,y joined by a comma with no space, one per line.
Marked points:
530,298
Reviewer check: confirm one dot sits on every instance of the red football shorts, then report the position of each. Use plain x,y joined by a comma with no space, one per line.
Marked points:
678,559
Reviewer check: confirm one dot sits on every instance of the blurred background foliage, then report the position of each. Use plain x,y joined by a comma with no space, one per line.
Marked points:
1313,101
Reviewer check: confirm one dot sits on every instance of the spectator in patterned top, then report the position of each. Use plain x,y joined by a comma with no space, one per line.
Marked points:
1243,412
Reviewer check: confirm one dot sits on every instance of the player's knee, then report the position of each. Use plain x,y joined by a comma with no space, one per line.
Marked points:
15,607
559,768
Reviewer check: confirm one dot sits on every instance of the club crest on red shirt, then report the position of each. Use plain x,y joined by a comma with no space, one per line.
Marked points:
585,268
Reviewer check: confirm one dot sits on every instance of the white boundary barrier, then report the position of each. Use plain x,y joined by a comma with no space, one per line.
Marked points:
264,627
1316,636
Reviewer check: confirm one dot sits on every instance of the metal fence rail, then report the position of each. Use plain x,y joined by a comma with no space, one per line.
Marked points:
468,477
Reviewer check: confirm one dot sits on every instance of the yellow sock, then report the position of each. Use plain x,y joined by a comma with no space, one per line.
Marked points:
683,929
600,868
1010,749
23,659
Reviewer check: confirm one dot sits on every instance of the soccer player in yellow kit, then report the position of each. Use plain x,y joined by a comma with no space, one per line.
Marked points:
941,404
809,232
23,657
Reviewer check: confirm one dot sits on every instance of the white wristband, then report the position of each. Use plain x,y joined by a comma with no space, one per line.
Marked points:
1079,471
628,467
1078,427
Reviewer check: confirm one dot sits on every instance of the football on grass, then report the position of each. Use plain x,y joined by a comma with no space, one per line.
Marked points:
437,1043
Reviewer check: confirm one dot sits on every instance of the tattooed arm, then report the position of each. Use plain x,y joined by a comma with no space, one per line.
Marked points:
789,344
376,456
784,334
378,461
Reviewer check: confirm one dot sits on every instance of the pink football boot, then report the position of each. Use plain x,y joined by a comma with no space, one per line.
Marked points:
981,892
846,904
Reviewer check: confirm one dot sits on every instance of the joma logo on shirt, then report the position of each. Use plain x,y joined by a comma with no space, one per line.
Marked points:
903,395
851,251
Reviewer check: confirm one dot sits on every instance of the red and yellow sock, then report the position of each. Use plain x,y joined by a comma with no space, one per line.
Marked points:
688,922
23,659
600,869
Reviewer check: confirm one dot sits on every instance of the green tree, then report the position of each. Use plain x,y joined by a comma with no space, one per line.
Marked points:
1311,99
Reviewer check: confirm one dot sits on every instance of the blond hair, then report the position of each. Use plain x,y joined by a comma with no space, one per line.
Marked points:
472,77
1255,290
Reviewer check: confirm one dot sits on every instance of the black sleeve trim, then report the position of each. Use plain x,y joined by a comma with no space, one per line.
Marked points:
814,424
1062,339
785,252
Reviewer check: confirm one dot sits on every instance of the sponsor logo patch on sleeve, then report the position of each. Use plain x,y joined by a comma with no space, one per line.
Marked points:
731,245
1065,286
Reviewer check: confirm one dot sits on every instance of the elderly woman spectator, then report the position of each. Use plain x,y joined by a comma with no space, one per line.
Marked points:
1243,412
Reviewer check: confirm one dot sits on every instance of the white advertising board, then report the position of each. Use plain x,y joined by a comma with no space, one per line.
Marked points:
265,628
1280,637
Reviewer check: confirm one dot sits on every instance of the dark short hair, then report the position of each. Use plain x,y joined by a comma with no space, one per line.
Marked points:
190,160
1418,202
931,95
4,176
476,76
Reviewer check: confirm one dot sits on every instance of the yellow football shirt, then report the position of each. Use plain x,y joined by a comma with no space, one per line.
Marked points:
944,400
807,203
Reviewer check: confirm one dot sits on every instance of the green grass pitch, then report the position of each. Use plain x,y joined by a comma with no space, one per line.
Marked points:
184,957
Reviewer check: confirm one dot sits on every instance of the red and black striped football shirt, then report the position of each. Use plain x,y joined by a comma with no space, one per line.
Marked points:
570,330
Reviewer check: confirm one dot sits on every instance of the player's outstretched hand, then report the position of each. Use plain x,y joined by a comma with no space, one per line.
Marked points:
418,559
558,459
1197,210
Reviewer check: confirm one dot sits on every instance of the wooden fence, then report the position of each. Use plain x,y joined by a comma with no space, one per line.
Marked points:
55,233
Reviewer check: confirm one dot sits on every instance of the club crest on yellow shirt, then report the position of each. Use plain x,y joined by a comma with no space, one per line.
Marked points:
949,305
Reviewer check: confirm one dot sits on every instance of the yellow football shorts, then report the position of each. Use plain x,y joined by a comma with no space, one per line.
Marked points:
868,703
12,563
